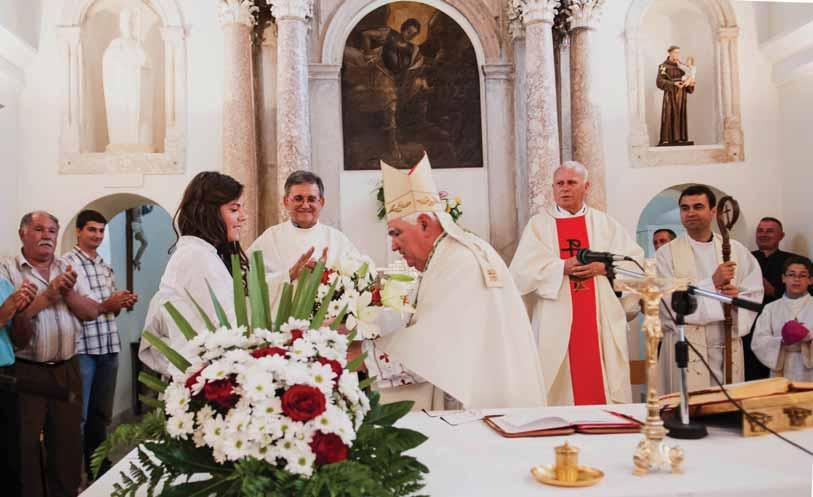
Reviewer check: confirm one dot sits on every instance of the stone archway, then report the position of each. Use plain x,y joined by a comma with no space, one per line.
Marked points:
497,108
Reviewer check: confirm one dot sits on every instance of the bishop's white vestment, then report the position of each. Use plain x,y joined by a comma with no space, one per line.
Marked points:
794,362
584,351
470,336
684,257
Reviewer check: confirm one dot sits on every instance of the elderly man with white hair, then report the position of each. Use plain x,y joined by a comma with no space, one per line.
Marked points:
579,321
470,337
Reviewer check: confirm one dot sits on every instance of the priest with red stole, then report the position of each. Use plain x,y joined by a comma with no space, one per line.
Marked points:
579,321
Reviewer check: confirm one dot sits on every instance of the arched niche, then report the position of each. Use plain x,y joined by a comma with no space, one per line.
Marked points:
496,97
662,211
717,105
87,27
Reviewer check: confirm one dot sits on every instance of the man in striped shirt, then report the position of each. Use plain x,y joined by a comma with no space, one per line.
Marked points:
45,334
98,346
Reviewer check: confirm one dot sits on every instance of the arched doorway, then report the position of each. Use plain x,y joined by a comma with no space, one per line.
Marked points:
137,240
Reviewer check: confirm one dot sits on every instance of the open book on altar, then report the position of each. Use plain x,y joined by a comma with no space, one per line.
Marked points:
595,421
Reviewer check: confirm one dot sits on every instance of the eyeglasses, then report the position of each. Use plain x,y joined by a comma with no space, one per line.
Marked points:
800,276
298,199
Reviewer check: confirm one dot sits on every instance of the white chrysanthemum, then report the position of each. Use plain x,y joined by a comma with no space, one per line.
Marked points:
237,446
295,324
334,420
299,462
349,387
257,383
217,370
266,426
214,431
321,292
237,420
237,357
332,277
176,399
275,364
198,439
204,414
321,376
347,283
292,430
295,372
181,425
302,350
334,308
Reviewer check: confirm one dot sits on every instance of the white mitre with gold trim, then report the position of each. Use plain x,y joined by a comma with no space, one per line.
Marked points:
413,191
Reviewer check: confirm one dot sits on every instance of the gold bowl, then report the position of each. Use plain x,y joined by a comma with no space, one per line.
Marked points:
546,473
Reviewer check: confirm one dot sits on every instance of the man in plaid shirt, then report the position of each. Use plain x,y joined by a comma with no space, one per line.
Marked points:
98,344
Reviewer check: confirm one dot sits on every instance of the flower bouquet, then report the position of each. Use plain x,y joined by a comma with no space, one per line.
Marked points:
266,407
352,286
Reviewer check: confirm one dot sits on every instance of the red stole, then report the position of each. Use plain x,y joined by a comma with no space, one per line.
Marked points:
583,350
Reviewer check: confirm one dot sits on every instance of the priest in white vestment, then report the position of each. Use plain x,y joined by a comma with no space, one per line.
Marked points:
303,236
579,320
470,337
697,256
782,339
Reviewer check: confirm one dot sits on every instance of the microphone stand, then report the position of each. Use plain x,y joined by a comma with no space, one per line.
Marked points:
683,303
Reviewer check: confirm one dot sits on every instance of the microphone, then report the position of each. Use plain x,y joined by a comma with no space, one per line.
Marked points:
586,256
735,301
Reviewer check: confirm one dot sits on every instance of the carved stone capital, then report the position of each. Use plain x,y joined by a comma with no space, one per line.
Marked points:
534,11
237,12
291,9
585,14
513,15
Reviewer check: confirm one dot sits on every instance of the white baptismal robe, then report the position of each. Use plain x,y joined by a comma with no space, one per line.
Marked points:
283,244
538,270
794,362
193,263
468,339
697,261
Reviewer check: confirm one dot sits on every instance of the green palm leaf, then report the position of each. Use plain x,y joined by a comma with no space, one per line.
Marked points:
183,325
240,311
208,322
285,305
173,357
219,311
257,298
319,318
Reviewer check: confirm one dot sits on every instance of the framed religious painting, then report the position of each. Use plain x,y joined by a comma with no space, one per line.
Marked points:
410,83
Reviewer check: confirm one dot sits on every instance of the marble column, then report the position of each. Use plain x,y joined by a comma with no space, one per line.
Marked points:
499,91
326,123
239,135
588,146
293,113
542,133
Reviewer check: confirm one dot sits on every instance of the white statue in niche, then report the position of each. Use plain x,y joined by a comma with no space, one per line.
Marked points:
128,89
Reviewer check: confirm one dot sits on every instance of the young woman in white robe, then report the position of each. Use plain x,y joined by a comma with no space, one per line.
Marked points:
208,224
782,339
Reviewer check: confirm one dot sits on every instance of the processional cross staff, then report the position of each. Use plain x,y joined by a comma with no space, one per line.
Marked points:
652,454
728,211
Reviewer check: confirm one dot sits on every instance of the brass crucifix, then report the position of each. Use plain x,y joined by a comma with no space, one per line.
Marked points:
652,453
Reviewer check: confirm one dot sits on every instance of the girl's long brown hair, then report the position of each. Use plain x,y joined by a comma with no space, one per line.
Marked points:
199,214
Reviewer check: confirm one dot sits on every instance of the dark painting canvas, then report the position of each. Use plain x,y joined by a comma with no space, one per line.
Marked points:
410,84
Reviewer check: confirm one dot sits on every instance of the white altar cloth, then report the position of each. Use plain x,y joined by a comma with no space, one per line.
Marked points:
470,460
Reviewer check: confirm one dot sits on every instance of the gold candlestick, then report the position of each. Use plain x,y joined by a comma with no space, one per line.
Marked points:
652,453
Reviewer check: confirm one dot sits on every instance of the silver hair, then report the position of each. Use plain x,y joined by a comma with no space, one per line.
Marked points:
575,166
26,220
412,219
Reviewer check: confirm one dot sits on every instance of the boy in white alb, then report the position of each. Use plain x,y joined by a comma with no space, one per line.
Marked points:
782,339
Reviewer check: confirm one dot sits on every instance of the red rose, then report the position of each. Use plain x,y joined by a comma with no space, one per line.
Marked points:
190,382
334,365
268,351
326,275
296,335
221,393
376,300
328,448
303,402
